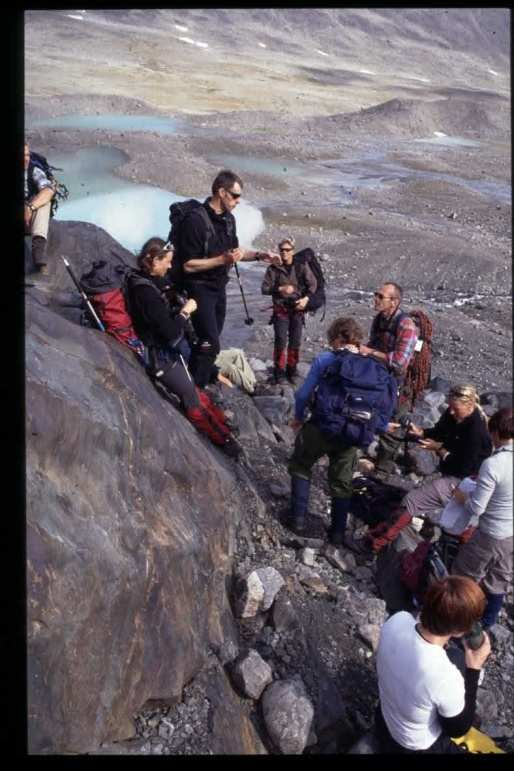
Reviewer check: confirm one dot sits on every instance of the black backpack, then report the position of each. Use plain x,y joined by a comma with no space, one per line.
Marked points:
318,299
178,213
61,191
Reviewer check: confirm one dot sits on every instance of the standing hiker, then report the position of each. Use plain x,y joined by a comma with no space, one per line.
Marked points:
291,287
162,331
392,341
206,247
354,399
424,699
38,193
487,556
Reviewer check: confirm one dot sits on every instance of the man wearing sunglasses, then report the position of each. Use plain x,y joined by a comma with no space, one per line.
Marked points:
393,339
207,247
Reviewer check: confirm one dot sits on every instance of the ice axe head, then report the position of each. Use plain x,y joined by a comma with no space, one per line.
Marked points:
249,321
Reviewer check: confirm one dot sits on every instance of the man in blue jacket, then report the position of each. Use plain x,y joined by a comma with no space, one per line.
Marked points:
354,399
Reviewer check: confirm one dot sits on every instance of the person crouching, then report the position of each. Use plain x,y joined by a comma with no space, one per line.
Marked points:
290,287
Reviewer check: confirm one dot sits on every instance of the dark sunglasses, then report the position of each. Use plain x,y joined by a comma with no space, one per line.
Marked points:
383,296
285,249
235,196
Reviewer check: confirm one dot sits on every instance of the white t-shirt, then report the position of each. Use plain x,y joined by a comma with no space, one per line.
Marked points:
416,680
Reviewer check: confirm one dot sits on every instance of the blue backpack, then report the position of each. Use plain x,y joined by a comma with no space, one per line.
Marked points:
353,394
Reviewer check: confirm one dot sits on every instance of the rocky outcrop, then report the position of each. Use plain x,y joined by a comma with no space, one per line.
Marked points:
127,555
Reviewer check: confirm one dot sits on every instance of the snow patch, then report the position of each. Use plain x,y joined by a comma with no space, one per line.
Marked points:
181,27
367,72
193,42
73,16
322,53
492,72
415,77
439,134
262,45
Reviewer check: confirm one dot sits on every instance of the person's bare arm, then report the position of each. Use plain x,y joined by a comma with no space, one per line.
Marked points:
252,255
197,264
40,199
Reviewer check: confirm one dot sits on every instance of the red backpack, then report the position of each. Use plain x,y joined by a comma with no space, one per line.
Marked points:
105,285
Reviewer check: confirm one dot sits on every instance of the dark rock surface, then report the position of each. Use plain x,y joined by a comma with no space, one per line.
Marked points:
127,555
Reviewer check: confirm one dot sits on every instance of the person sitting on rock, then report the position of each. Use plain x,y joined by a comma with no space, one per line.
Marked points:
424,699
290,286
38,194
487,556
342,420
392,340
461,440
162,332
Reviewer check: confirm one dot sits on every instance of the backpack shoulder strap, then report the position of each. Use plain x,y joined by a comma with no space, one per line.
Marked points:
209,227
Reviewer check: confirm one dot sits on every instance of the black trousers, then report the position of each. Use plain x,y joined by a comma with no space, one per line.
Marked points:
208,321
442,745
174,377
288,328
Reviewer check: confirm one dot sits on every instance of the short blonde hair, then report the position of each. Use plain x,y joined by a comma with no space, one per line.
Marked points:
289,240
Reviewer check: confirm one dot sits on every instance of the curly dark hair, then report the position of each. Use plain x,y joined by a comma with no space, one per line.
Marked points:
347,329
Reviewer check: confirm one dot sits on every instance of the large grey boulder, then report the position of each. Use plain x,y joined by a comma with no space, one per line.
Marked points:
251,674
127,555
288,715
276,409
420,461
256,592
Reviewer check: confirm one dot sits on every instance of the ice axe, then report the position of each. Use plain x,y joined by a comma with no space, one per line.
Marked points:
248,319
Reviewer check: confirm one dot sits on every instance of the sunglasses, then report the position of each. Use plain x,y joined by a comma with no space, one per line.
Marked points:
383,296
285,249
235,196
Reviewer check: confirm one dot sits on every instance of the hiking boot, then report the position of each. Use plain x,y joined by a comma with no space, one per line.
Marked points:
231,448
297,524
296,520
358,545
335,538
279,377
292,376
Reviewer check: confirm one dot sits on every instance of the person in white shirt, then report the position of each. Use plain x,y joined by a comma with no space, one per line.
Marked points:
424,699
487,556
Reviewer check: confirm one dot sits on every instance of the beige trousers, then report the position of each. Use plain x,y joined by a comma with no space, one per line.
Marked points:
40,221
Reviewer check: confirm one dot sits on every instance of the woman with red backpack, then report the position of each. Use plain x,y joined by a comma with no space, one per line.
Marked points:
162,329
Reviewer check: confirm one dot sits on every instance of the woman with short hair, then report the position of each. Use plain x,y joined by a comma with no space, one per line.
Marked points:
487,556
424,699
290,286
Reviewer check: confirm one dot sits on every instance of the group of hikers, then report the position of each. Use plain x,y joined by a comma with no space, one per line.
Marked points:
353,393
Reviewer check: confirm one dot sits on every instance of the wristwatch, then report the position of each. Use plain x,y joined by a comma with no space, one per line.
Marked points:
32,207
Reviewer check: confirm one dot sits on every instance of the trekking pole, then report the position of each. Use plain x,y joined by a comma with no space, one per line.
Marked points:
248,319
185,367
83,295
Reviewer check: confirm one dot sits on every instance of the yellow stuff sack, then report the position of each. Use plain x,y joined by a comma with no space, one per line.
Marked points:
476,741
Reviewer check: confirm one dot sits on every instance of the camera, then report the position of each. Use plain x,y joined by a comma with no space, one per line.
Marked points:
291,300
475,637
